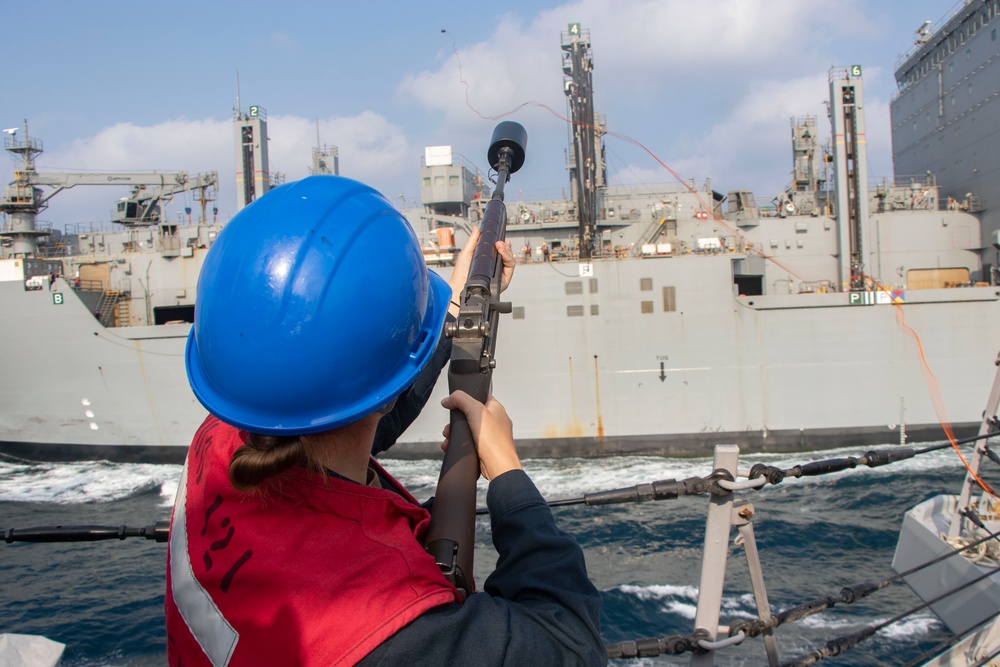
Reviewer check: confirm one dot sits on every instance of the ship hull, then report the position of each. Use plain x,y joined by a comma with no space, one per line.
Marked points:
597,364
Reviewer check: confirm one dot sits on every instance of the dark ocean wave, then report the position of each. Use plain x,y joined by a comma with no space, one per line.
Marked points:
815,536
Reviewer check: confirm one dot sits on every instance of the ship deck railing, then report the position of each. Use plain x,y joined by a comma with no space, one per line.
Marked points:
931,31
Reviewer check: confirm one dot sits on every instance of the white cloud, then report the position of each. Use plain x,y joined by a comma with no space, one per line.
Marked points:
374,150
371,148
708,86
490,79
638,44
750,147
173,145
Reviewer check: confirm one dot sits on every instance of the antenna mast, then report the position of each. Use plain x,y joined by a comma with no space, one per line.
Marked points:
587,167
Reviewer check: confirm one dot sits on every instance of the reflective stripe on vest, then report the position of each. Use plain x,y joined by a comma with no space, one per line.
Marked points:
209,627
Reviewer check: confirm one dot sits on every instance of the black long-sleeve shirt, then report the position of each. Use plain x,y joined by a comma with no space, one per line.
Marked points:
538,607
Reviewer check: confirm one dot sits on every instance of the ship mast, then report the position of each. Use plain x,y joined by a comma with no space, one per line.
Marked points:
587,166
325,159
21,199
851,172
253,177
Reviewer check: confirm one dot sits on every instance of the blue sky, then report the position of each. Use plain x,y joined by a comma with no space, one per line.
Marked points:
707,86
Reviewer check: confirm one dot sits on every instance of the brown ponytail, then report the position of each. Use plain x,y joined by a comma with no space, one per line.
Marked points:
263,457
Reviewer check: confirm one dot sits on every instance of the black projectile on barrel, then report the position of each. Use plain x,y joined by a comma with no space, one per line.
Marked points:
508,134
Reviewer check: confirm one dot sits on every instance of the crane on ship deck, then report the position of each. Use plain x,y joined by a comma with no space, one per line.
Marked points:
23,198
150,191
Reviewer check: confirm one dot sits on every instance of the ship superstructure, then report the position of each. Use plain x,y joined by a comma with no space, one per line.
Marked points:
253,177
944,115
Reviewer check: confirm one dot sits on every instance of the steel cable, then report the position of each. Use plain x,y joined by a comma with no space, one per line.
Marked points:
837,646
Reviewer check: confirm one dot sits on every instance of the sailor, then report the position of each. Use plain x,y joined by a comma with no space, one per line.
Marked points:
289,544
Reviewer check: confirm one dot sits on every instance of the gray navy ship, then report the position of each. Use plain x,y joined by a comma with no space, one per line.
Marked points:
647,319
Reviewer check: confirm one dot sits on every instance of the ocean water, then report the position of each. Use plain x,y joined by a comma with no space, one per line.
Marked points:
104,600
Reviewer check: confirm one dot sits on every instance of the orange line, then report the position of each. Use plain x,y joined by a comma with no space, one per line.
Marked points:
934,388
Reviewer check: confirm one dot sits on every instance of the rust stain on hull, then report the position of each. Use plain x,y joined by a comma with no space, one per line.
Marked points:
597,394
574,428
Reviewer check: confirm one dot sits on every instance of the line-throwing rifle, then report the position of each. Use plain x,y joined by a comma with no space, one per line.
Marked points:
451,535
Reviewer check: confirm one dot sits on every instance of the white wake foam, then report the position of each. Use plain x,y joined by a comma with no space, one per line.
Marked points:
564,478
84,482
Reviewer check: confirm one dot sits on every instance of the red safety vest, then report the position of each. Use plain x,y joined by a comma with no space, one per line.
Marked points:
309,571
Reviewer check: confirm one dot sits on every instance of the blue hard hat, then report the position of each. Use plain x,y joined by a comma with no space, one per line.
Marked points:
314,309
